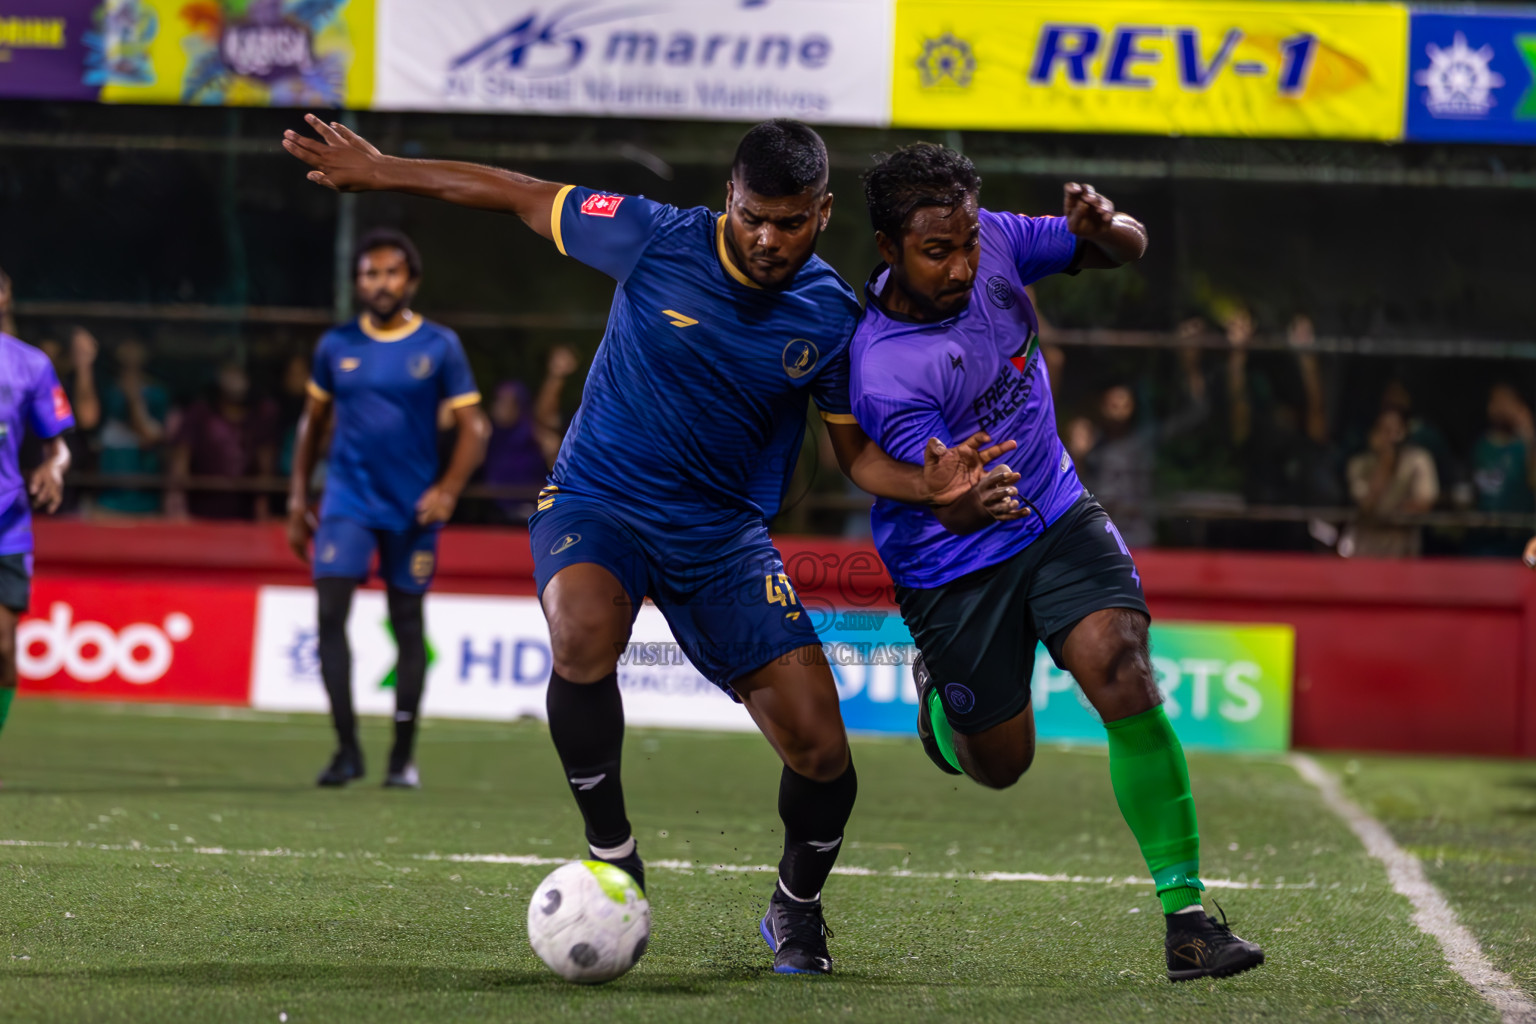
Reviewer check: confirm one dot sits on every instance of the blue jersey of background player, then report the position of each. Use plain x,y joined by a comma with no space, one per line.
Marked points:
722,326
381,381
31,399
946,346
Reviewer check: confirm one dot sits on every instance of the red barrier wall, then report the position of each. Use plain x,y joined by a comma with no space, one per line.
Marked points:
1435,656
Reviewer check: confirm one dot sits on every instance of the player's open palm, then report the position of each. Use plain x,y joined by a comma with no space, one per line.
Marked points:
339,159
950,473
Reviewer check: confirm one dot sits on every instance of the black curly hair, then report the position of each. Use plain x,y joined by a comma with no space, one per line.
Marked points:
781,158
389,238
922,174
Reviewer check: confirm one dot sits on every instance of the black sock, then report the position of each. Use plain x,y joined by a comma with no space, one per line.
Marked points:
405,618
814,814
335,597
586,721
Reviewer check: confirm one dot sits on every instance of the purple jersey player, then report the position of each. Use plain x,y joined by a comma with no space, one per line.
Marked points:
947,346
31,398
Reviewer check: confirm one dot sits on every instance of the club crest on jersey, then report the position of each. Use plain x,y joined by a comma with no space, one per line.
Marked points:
420,367
601,205
1000,292
800,358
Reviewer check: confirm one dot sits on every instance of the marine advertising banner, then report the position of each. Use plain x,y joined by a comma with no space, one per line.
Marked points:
1197,67
1228,686
1472,77
735,60
238,53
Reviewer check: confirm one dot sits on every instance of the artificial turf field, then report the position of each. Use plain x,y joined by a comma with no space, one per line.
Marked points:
164,864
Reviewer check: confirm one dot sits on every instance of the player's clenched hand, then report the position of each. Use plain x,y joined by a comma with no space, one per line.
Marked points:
341,159
950,473
1530,554
999,496
1088,213
46,486
301,528
435,506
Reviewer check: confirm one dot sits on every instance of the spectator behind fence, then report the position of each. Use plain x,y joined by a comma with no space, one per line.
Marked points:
135,411
1504,471
525,440
1392,477
228,435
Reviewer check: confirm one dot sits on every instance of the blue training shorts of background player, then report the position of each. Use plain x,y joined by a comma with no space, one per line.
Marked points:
407,558
691,420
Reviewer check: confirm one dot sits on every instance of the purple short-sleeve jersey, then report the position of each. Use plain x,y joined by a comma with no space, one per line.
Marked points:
978,370
31,398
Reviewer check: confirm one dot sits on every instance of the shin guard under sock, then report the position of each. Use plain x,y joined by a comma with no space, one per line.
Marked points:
1151,782
814,815
586,721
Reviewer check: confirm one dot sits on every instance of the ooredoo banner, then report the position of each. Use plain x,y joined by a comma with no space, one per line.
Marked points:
137,641
1198,67
738,60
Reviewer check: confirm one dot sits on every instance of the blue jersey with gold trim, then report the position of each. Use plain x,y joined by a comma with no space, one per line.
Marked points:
387,386
695,406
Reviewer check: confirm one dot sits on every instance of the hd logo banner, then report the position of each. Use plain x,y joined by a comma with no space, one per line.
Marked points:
1282,70
1472,78
740,60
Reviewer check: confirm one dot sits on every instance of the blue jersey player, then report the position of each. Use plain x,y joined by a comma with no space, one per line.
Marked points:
31,398
947,346
380,380
723,326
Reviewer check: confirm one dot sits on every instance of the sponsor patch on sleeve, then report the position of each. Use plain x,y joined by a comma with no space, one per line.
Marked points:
61,410
601,205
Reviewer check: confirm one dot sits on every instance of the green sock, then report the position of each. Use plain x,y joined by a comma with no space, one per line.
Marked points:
7,694
1151,780
943,735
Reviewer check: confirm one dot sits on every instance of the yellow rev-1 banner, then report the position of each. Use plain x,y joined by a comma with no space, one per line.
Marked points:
1279,70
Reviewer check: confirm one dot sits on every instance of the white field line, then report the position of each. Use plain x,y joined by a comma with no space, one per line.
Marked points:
681,866
1431,911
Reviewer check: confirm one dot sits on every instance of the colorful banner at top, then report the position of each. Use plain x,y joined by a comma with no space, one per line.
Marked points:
1237,68
1202,67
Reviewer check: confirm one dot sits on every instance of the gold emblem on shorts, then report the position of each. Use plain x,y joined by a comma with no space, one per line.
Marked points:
422,563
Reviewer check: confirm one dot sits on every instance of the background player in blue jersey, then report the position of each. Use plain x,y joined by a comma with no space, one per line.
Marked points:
722,326
947,346
382,377
31,398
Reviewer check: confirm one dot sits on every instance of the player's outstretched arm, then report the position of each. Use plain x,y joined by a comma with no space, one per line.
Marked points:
1113,239
341,159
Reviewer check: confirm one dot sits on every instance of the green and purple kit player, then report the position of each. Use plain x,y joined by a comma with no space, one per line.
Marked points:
31,398
382,378
723,327
948,346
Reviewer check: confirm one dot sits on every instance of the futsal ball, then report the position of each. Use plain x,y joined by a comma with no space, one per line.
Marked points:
589,922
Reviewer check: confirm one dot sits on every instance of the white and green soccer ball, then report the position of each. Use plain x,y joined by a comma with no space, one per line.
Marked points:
589,922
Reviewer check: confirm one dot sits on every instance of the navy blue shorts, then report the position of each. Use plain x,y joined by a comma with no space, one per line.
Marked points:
407,560
727,598
15,582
